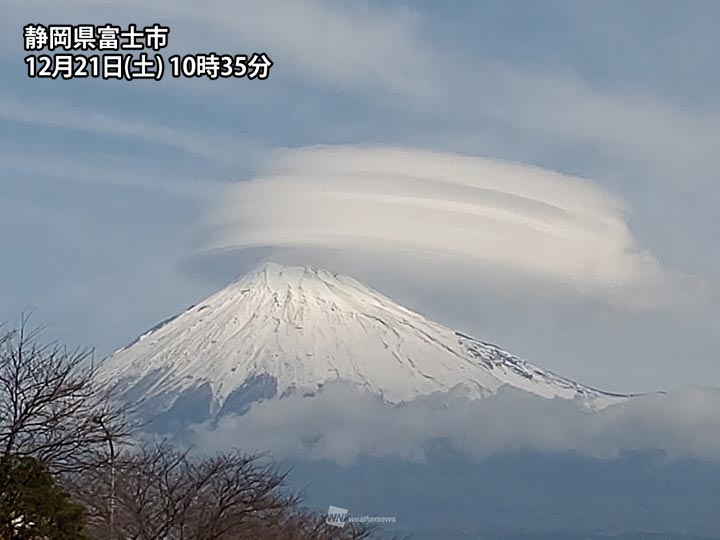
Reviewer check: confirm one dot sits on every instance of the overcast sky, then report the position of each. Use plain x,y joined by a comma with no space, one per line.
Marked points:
115,194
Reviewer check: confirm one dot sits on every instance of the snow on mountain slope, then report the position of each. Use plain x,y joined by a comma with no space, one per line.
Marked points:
292,329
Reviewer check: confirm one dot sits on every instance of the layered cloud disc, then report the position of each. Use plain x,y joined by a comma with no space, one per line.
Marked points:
504,215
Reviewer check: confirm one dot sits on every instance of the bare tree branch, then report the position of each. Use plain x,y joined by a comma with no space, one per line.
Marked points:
163,493
50,403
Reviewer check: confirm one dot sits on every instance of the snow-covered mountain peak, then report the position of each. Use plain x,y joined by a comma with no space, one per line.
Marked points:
295,290
280,330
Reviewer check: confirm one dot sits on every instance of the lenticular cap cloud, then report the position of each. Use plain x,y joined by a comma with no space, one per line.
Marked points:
394,200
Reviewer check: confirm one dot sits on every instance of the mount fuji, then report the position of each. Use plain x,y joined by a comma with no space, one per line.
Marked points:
281,330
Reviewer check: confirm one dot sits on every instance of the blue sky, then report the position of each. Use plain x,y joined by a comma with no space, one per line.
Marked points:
109,188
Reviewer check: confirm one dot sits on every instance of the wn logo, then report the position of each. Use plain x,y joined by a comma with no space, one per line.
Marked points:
336,516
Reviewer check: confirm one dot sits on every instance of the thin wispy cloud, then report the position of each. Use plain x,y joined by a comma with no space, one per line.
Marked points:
381,53
213,146
104,173
644,130
354,46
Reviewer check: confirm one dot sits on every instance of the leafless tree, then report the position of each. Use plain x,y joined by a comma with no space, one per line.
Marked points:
164,493
51,408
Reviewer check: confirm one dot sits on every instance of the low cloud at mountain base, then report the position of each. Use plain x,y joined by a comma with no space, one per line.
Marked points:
343,424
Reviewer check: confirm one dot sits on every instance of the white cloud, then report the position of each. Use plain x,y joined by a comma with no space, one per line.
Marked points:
342,424
480,213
